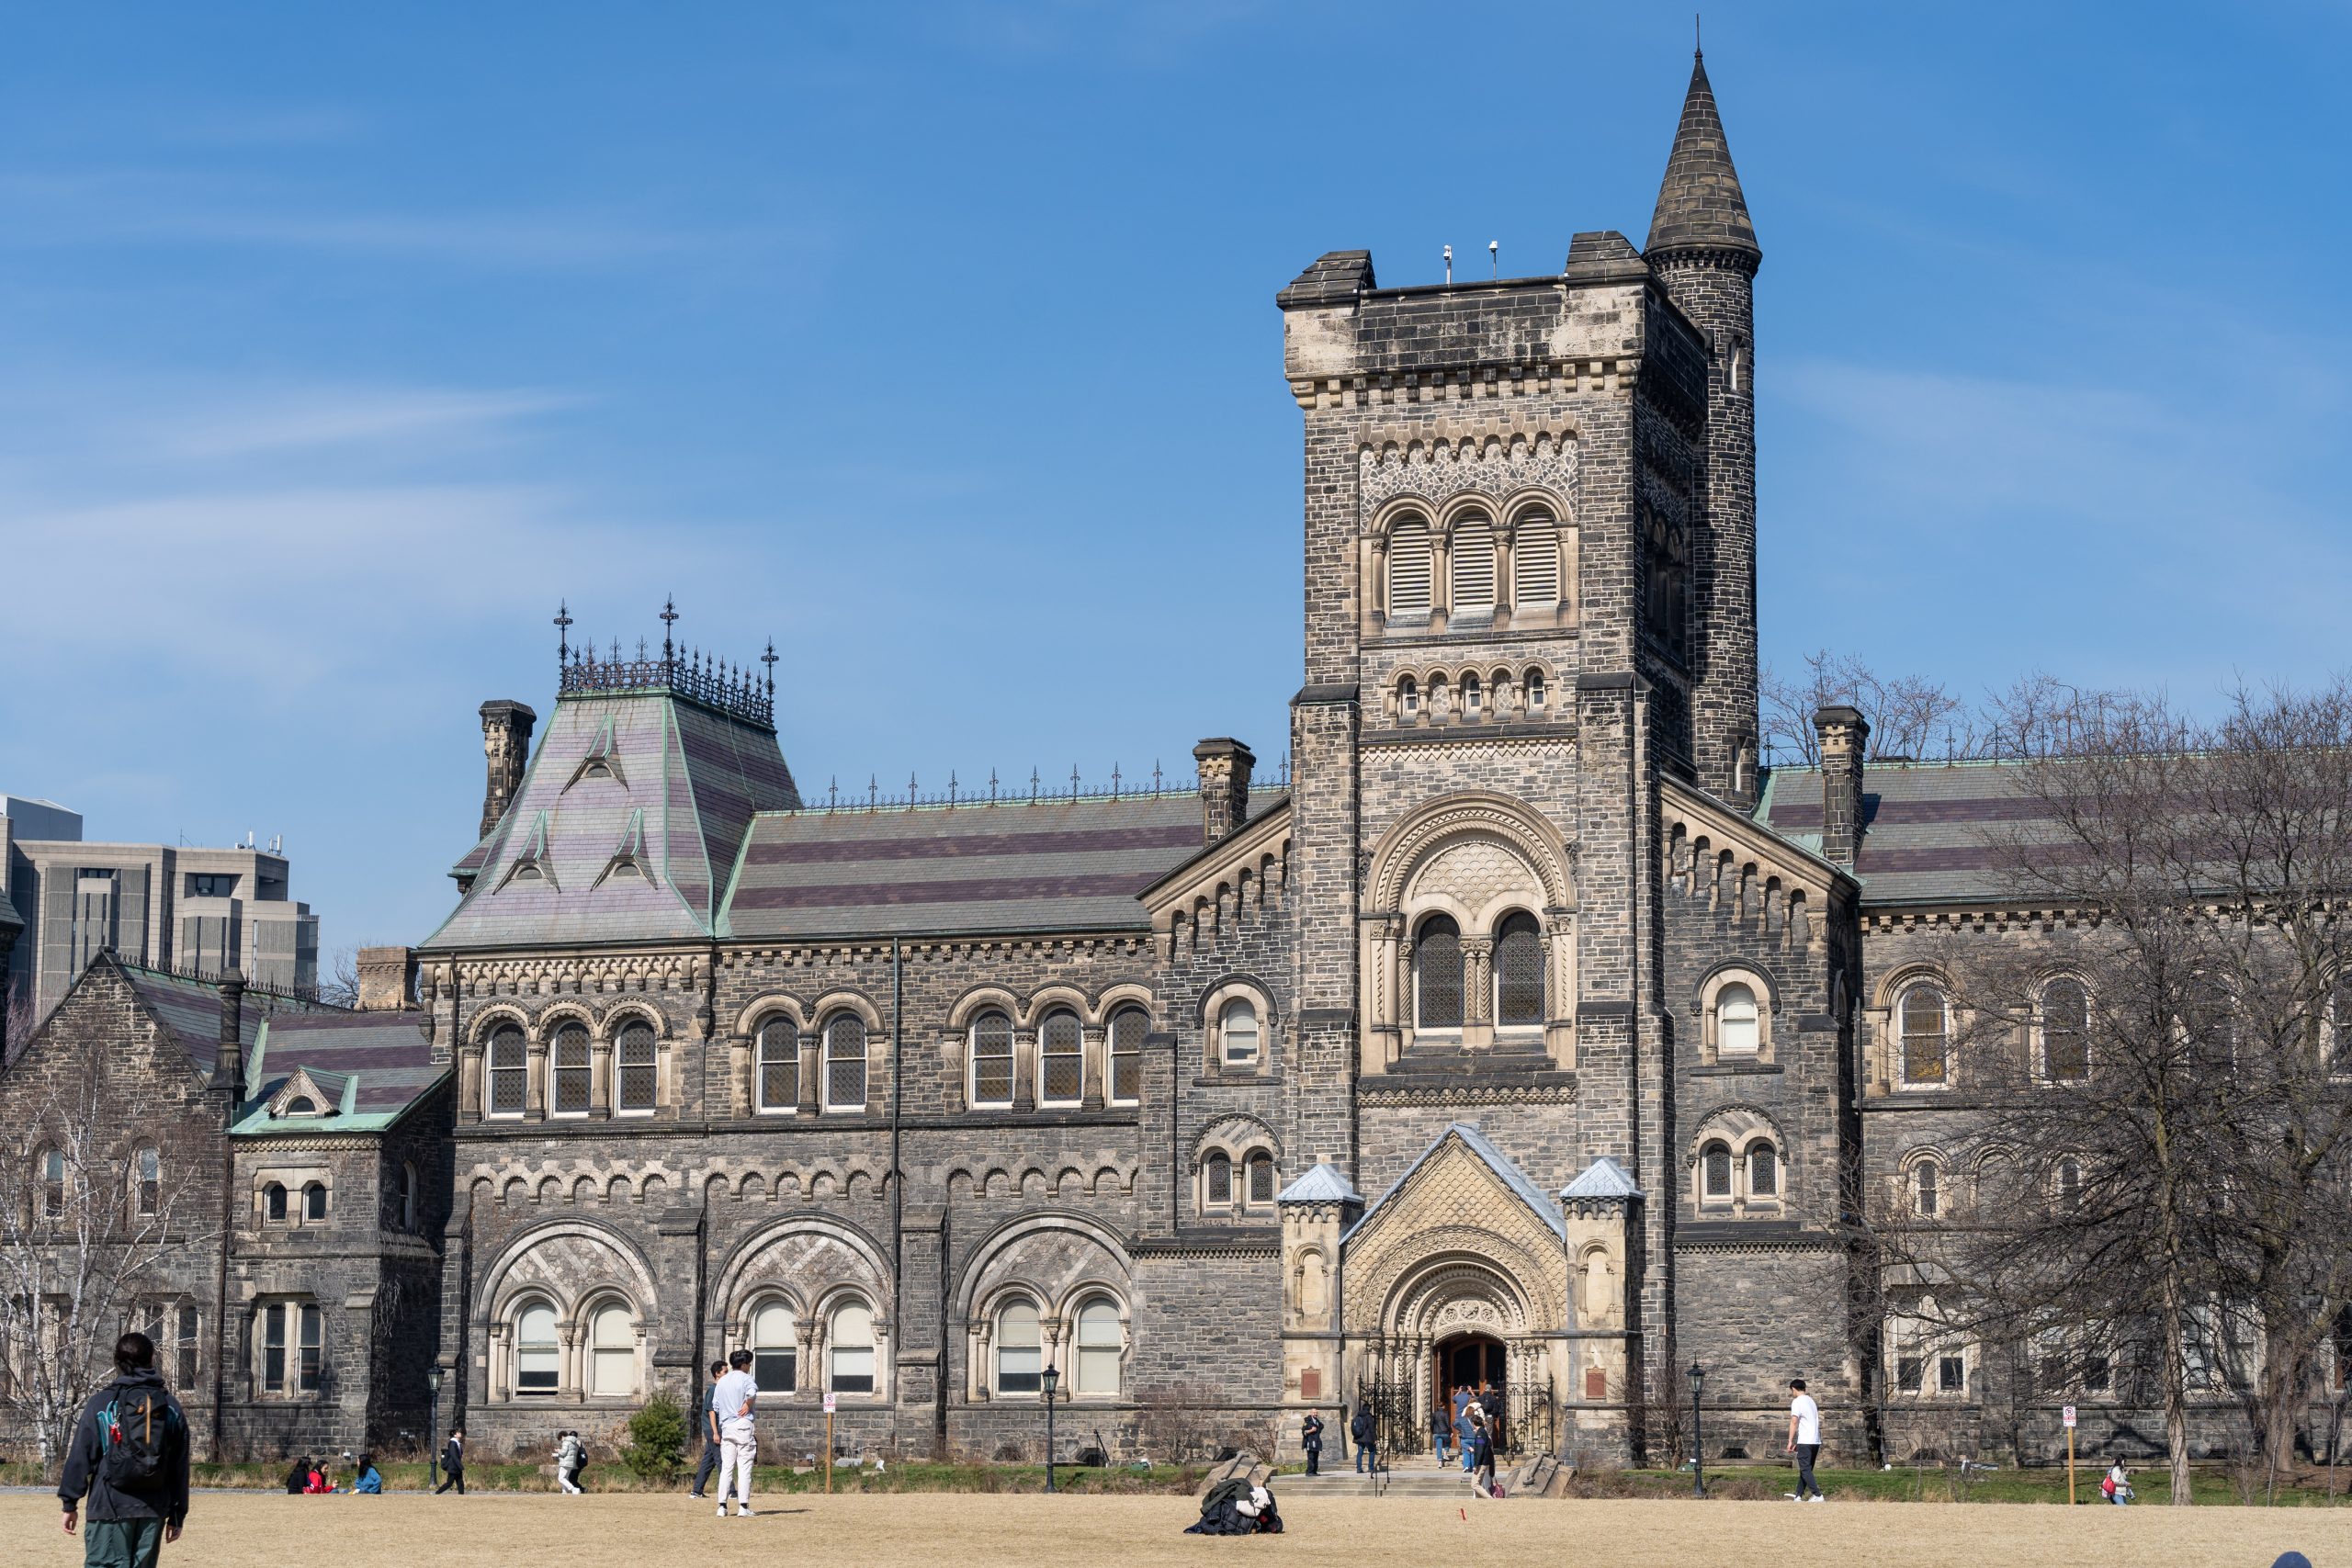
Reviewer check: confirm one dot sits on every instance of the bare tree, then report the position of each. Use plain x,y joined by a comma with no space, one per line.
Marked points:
89,1226
2163,1127
1914,718
18,1019
340,985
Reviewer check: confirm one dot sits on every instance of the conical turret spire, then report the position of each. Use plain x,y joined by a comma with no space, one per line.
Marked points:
1700,205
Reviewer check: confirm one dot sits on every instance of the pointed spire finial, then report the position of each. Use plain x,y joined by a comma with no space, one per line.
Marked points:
1701,207
1698,45
768,659
669,619
563,633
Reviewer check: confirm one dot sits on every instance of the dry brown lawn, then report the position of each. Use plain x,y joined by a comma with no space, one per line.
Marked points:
942,1530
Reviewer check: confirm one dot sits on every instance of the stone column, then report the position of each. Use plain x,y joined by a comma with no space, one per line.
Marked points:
740,1100
1478,990
1024,1069
600,1077
1094,1064
534,1080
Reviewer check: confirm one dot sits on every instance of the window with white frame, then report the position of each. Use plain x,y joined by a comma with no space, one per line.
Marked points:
186,1344
539,1356
1409,569
992,1059
1927,1186
1472,581
777,1071
845,1062
1098,1336
2066,1031
52,1184
1236,1032
147,1183
1061,1058
314,1201
775,1348
612,1352
851,1348
568,1066
1736,1030
293,1345
1437,973
1472,695
1128,1026
1533,683
273,1203
1020,1348
1409,698
1923,1023
633,1069
510,1072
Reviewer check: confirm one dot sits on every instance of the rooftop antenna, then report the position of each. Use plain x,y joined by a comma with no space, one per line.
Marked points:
1449,264
1697,49
562,634
1494,258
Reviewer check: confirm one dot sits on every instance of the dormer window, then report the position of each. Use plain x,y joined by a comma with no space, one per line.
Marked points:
301,1105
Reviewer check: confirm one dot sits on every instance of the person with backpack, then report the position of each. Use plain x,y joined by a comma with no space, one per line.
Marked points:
128,1457
453,1462
1310,1438
2116,1487
1482,1457
1363,1431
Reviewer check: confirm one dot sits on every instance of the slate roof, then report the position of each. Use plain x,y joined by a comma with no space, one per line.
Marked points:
1699,204
189,1009
1604,1177
374,1065
676,792
1323,1183
1501,1164
1930,829
1042,865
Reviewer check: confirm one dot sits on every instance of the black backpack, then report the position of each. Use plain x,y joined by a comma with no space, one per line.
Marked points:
139,1429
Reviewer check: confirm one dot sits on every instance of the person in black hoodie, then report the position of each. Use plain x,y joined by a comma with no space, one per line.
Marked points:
298,1480
128,1457
453,1462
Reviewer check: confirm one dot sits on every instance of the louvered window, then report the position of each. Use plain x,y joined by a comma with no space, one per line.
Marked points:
1535,564
1409,569
1474,567
1437,973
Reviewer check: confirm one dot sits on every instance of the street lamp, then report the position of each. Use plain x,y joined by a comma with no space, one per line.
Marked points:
433,1425
1698,1448
1050,1378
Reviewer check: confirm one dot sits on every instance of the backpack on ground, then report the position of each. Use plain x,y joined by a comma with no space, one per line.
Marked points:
135,1432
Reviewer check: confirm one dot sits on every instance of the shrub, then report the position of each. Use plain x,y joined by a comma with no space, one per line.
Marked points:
657,1442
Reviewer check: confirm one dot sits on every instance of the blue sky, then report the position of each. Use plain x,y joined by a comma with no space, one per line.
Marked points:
938,342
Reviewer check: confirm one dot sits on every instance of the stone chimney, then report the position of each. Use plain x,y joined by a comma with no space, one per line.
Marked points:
506,743
229,1068
1225,785
387,979
1843,732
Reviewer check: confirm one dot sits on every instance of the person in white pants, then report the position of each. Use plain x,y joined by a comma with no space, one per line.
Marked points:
732,1402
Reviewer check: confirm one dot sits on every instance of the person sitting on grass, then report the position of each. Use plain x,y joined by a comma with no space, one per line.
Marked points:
317,1485
365,1480
298,1477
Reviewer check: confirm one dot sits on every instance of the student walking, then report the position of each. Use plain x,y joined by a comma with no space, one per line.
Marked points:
570,1454
2116,1486
709,1426
128,1457
1441,1428
1482,1458
1466,1403
453,1462
1805,1440
733,1400
1310,1438
1364,1432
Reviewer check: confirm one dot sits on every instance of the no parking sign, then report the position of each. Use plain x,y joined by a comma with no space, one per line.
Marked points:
828,1407
2065,1415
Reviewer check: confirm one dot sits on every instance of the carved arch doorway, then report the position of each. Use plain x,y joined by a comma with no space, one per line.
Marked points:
1465,1361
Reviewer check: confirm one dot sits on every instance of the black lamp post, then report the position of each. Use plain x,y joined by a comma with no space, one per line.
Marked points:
1698,1448
1049,1378
432,1427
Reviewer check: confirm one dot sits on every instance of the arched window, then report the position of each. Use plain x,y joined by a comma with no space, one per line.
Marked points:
1535,563
775,1348
2066,1031
633,1063
1020,1348
611,1353
1409,569
1098,1347
186,1347
1261,1167
1437,973
1237,1032
778,1071
1473,579
991,1050
852,1348
1714,1164
314,1201
510,1071
273,1203
1923,1023
1736,1022
1519,971
1927,1189
408,1195
1216,1181
1668,599
1534,683
1128,1026
147,1183
52,1185
2070,1183
536,1354
1763,1171
1408,698
1472,695
571,1069
301,1105
1062,1056
845,1062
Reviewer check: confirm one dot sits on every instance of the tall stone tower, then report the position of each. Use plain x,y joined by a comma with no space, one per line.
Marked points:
506,749
1704,252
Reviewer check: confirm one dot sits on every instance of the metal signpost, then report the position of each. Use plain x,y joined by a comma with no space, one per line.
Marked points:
829,1439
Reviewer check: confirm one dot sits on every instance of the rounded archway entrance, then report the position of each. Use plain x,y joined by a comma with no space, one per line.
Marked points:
1470,1366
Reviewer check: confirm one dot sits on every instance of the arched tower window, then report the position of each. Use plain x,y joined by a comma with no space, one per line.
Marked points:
611,1353
1409,569
1535,563
1061,1058
571,1069
633,1063
778,1071
1519,971
1098,1347
1020,1348
509,1071
991,1049
1669,584
1437,973
1927,1189
1128,1026
775,1349
1715,1170
845,1063
1924,1021
1216,1181
536,1353
1473,579
1763,1171
1735,1031
2066,1031
852,1348
1260,1165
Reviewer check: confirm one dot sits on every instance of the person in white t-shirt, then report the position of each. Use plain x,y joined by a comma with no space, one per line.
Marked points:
1805,1440
731,1403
